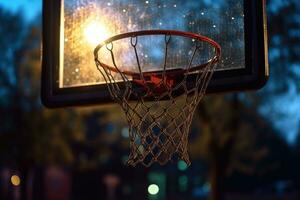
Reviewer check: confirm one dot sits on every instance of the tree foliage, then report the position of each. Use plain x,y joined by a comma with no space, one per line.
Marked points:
31,134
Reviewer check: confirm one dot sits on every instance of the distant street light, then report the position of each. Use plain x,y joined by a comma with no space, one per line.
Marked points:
153,189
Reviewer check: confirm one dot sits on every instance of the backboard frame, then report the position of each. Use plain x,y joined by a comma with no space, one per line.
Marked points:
252,77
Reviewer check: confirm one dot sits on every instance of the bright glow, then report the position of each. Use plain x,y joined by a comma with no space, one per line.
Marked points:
95,33
15,180
125,132
182,166
153,189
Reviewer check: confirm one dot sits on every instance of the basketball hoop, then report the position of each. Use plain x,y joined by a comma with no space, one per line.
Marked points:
158,128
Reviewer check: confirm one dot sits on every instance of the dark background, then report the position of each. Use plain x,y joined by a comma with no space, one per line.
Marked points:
243,146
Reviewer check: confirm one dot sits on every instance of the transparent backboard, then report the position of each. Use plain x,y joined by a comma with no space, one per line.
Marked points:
86,23
73,28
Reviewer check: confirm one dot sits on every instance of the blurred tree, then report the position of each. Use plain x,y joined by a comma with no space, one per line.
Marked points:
284,45
228,140
279,99
13,25
103,144
31,135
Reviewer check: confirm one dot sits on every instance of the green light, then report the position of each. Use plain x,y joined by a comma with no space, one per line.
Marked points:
183,180
153,189
182,166
157,180
183,183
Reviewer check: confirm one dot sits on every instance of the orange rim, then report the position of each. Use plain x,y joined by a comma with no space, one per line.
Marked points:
197,37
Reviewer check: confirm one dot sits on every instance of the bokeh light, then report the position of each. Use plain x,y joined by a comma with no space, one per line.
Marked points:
153,189
96,32
181,165
15,180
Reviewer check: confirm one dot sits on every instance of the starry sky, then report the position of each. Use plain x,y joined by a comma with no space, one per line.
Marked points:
120,16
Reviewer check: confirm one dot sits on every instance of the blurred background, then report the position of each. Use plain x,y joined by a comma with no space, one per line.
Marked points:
243,146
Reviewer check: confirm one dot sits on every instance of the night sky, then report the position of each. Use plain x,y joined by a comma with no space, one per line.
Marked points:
30,8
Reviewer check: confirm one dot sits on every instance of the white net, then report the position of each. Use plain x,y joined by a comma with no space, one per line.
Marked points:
159,105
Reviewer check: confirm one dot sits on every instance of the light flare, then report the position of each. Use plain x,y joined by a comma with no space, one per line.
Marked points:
96,32
15,180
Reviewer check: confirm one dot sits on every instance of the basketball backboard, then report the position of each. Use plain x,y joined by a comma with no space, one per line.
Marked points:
73,28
